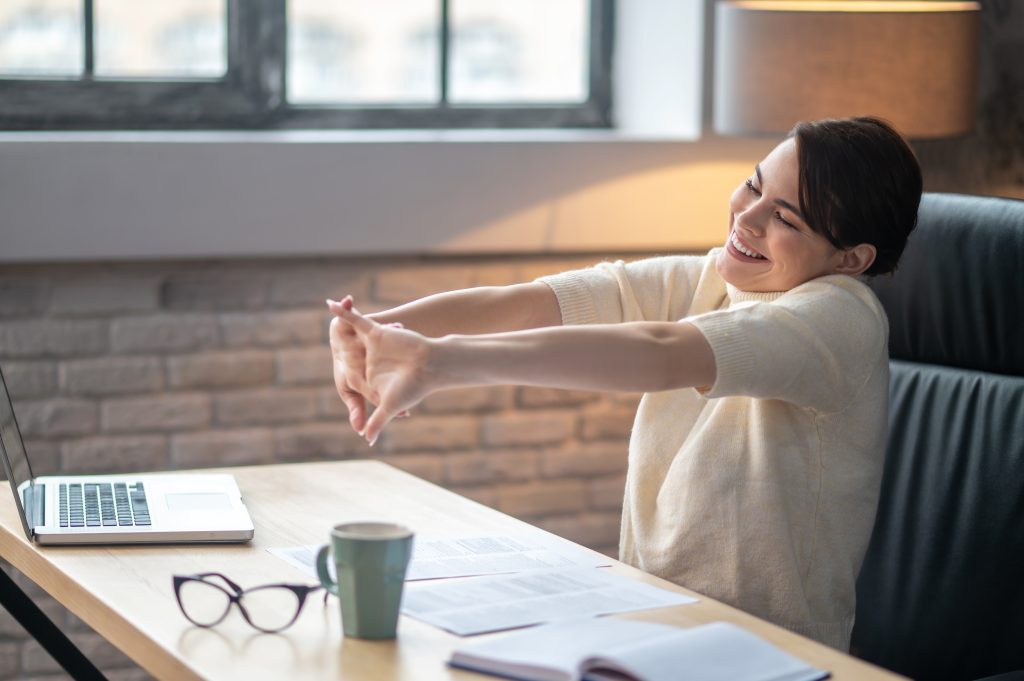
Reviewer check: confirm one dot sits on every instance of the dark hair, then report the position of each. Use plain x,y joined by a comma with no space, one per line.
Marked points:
859,183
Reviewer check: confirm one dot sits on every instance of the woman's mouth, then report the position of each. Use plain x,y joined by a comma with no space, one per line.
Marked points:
741,250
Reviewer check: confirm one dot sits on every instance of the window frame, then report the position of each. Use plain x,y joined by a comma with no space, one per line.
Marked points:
251,95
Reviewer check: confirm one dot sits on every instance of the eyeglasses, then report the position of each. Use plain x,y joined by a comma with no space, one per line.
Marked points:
205,602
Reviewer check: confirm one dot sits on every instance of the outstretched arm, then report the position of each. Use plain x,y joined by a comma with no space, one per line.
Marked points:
486,309
403,367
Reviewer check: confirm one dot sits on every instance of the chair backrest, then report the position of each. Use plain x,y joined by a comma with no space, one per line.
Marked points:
941,592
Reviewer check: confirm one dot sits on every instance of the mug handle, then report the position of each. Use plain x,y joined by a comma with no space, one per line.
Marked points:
321,569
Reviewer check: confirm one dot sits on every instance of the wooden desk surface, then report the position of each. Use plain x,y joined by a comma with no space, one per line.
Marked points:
125,593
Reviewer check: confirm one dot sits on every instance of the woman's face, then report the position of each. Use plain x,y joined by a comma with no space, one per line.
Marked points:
770,247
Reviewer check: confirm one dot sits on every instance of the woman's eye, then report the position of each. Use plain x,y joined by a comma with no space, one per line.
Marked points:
778,216
751,187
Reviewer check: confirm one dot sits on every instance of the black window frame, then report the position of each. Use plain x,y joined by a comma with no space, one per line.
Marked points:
251,95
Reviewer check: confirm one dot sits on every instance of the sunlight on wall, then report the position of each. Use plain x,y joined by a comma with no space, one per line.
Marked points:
677,208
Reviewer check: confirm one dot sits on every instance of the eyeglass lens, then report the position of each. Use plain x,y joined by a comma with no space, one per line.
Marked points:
271,607
202,602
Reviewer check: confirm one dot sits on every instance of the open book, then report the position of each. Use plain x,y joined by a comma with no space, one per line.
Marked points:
606,649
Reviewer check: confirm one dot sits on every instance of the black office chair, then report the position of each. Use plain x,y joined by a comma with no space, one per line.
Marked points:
941,592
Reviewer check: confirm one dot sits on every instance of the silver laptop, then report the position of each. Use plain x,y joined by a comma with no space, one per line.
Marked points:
119,509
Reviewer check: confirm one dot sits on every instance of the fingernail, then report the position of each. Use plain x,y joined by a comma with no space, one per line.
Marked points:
373,441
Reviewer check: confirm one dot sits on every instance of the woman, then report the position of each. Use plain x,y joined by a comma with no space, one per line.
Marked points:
756,456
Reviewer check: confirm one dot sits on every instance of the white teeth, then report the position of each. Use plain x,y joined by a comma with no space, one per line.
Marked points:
743,249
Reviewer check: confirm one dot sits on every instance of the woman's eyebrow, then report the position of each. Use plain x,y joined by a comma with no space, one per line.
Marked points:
782,202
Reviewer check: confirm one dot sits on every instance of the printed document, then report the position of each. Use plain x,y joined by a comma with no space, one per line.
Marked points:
475,606
435,557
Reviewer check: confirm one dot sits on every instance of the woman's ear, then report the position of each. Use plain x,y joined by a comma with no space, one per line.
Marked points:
854,261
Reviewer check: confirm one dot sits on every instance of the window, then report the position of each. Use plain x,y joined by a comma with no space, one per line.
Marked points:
125,64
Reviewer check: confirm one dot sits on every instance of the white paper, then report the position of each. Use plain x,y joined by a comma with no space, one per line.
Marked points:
435,557
501,602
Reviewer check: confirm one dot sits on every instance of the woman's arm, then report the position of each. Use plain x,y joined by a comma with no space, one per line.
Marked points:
403,367
486,309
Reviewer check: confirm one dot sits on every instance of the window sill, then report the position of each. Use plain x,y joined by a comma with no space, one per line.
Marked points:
480,136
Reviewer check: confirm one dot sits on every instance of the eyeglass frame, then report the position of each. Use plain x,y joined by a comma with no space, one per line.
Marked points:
301,592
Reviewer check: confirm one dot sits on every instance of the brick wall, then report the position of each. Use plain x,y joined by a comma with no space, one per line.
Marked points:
151,366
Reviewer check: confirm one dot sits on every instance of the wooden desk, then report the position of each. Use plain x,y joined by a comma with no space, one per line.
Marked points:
125,593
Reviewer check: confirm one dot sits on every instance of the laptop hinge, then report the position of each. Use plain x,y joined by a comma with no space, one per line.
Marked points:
35,505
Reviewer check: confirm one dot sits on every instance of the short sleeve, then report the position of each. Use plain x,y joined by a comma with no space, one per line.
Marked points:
653,289
816,346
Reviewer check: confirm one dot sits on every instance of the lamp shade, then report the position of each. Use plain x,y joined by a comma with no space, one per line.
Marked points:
780,62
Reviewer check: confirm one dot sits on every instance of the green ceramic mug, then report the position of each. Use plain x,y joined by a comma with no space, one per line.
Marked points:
370,561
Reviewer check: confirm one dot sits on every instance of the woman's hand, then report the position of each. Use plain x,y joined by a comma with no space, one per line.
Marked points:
385,364
349,360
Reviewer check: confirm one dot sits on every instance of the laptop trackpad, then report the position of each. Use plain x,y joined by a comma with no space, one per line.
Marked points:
197,501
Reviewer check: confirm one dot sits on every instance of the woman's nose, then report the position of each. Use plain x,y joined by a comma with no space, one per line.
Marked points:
751,220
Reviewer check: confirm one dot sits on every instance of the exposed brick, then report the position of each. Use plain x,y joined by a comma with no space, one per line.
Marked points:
165,333
426,466
30,379
266,406
530,397
35,659
305,366
605,493
114,454
547,266
496,465
104,295
56,417
111,376
542,497
53,338
402,284
203,291
159,413
489,398
631,400
274,329
592,530
44,455
221,369
23,296
222,448
607,423
330,405
427,433
490,273
318,441
535,428
309,287
586,460
488,496
10,653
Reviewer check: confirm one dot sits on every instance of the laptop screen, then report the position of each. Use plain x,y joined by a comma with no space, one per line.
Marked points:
16,466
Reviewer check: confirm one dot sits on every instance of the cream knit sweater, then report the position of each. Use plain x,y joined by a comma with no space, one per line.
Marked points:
761,490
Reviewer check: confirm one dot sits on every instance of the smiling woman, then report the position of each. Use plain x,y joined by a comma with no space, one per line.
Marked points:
756,454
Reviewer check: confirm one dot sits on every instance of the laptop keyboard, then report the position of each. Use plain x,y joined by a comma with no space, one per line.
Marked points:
96,504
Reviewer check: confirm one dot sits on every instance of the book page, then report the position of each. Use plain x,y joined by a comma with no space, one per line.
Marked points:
718,651
507,601
552,651
435,557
